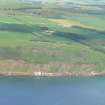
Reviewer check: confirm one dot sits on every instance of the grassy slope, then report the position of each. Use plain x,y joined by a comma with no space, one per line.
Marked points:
30,43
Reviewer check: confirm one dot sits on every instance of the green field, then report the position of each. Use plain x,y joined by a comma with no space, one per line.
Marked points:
41,38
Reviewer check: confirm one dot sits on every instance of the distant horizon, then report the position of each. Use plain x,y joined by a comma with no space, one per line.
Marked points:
74,1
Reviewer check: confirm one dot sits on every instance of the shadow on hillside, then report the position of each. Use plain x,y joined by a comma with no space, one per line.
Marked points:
21,28
70,36
84,39
85,34
14,27
89,29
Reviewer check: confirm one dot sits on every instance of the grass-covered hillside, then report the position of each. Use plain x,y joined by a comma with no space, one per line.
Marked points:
51,37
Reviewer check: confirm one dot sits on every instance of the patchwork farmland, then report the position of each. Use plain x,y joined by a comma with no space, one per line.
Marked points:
49,37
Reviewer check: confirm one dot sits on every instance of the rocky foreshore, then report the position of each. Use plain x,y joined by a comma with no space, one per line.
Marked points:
50,74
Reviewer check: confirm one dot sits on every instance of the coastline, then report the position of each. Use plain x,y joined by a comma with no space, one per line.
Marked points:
51,74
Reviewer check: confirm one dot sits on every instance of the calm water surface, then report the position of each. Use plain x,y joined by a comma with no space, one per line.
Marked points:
52,91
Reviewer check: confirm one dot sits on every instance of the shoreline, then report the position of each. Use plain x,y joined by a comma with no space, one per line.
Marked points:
55,74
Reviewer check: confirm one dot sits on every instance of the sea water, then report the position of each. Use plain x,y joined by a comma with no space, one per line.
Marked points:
52,91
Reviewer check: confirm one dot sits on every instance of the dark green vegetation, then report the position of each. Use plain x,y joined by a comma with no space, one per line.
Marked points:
54,37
